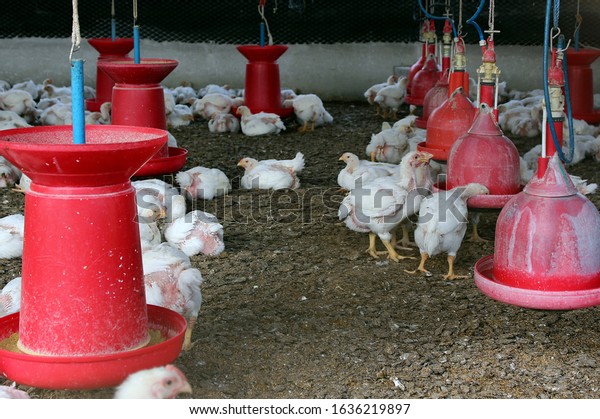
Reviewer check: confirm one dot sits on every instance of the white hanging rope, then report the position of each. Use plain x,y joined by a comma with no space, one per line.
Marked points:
112,8
261,11
135,12
75,33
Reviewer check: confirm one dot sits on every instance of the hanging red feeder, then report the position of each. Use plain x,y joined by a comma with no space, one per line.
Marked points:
424,81
138,100
581,83
109,49
546,247
485,155
83,295
428,47
447,123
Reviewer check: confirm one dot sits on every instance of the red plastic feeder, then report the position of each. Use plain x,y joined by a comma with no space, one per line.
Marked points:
109,49
581,83
83,291
546,247
433,99
447,123
262,89
138,100
485,155
423,81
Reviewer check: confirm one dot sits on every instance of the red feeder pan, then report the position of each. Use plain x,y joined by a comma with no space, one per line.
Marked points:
546,249
581,83
262,90
83,284
138,100
423,81
447,123
109,49
434,98
485,155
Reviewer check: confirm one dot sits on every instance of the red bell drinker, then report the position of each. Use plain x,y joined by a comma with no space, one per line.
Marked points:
581,83
546,247
423,81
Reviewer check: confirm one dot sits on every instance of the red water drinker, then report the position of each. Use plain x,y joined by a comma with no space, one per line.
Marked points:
581,83
109,49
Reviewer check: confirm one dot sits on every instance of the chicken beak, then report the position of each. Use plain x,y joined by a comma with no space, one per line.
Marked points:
425,157
342,158
186,388
241,164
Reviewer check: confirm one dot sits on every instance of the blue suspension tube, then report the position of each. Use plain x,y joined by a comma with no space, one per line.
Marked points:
471,21
262,34
430,16
77,104
561,155
113,29
136,44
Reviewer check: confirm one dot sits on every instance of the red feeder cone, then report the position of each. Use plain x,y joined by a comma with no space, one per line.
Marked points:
262,89
82,295
433,99
109,49
581,83
138,100
423,81
546,249
485,155
447,123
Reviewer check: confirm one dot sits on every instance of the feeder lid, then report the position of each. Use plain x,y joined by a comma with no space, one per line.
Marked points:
555,182
485,123
582,56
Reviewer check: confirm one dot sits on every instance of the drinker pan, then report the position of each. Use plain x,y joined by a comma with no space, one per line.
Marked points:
82,277
546,247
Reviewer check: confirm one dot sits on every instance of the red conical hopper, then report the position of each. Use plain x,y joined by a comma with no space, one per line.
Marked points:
434,98
447,123
546,247
485,155
581,83
138,100
423,81
109,49
262,89
82,296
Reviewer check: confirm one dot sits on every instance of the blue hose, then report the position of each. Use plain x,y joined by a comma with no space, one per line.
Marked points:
547,94
471,21
77,102
430,16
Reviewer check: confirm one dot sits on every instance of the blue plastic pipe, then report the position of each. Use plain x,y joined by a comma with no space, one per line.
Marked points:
262,34
113,29
136,44
77,103
471,21
430,16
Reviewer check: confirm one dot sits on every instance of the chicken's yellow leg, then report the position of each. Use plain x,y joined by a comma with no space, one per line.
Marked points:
421,267
304,127
451,274
392,254
372,250
187,339
475,237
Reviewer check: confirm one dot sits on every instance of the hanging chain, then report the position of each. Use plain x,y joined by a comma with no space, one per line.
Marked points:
460,19
578,22
75,33
491,18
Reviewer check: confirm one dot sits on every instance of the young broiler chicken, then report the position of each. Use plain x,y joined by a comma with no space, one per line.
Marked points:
9,174
389,145
203,183
12,392
20,102
372,91
165,382
10,297
364,170
212,103
196,232
380,205
180,116
223,122
390,98
442,225
271,173
11,236
10,120
261,123
157,195
171,282
309,112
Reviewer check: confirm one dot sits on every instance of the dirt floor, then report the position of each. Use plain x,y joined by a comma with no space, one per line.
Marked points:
294,308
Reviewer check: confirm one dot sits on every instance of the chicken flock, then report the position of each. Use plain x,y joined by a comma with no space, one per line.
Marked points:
388,193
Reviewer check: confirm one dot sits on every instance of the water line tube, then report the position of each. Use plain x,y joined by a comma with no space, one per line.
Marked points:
430,16
471,21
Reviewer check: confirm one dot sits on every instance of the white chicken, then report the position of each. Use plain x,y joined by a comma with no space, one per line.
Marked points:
210,104
172,282
355,169
196,232
309,110
442,224
203,183
184,93
372,91
35,89
390,98
10,120
9,174
180,116
10,297
11,236
261,123
223,122
215,88
159,196
12,392
271,173
20,102
380,205
389,145
165,382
